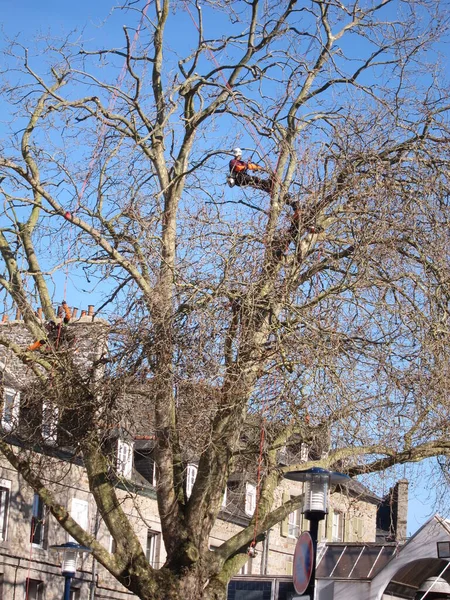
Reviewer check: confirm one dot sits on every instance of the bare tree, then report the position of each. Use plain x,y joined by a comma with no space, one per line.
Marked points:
318,310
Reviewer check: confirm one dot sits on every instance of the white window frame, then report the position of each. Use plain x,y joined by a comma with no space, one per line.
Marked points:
304,452
10,415
337,526
294,522
224,498
191,476
152,548
5,497
153,481
124,458
50,419
79,511
250,499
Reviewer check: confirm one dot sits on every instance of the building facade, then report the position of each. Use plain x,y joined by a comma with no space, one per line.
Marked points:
29,570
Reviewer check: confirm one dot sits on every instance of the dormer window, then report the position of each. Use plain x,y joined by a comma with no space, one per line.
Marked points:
124,458
144,464
250,499
11,407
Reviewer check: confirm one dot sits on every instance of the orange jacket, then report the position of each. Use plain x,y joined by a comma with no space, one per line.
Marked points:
238,166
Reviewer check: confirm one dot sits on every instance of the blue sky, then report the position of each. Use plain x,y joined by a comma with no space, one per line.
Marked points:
28,19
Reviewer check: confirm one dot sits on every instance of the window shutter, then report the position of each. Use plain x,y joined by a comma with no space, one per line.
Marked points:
250,499
347,530
124,458
329,526
284,525
11,408
356,527
360,529
191,476
321,532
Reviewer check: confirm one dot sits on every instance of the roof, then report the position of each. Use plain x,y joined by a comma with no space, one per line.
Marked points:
354,560
361,491
408,580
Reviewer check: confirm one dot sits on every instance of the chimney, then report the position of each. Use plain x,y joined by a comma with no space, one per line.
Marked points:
74,312
4,318
400,501
90,310
83,313
17,317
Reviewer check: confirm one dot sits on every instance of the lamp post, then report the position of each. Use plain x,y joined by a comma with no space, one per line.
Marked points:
70,552
317,482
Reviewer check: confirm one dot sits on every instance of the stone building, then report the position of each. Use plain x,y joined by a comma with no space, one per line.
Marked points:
30,571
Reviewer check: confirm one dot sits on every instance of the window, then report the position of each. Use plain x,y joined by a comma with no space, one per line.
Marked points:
250,499
337,527
5,493
144,464
191,475
34,589
75,593
124,458
247,568
294,521
304,452
152,550
11,407
38,529
50,416
79,511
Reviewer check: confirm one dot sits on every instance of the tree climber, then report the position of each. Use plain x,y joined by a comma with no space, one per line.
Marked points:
57,334
239,176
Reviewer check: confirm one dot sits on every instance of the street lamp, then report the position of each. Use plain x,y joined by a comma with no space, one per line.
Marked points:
70,552
317,481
